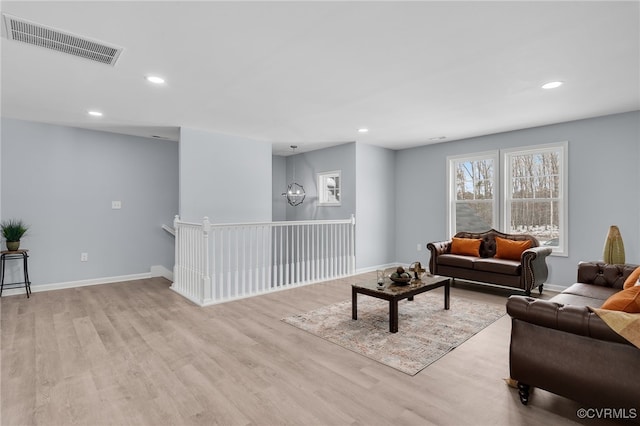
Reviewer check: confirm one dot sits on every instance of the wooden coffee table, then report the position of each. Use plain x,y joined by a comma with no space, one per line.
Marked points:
393,293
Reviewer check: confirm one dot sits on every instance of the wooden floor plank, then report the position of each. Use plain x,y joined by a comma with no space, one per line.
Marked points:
137,353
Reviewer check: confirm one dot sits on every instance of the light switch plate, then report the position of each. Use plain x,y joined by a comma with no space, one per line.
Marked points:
116,205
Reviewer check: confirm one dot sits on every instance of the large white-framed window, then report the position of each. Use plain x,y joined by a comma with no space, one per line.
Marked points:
535,193
329,188
472,180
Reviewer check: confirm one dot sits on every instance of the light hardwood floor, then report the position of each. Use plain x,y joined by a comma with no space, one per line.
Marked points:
138,353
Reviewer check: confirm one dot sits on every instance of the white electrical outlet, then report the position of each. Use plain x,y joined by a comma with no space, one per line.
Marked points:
84,257
116,205
419,248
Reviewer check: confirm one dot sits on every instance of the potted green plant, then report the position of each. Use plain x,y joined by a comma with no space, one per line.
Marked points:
12,231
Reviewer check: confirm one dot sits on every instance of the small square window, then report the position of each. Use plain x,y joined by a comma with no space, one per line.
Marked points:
329,188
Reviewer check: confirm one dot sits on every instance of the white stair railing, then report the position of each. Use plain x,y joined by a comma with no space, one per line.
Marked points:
169,229
221,262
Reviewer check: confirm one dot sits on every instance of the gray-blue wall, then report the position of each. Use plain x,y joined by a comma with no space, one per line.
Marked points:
604,181
278,186
62,180
376,205
341,157
226,178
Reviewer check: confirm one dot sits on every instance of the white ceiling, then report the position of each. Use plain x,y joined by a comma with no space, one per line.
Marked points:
312,73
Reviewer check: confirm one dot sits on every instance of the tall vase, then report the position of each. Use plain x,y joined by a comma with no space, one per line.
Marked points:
613,247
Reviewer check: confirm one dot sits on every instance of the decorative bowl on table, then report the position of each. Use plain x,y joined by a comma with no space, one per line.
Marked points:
400,280
400,277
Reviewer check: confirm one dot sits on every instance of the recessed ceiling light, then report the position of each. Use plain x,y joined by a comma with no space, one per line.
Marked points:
363,130
437,138
552,84
95,113
154,79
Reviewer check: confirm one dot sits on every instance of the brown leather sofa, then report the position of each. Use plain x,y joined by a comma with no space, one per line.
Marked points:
526,274
561,346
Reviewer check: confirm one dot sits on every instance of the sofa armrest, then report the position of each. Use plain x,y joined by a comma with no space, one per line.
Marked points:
534,267
568,318
437,248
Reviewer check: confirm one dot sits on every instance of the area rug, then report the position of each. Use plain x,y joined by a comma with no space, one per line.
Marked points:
426,331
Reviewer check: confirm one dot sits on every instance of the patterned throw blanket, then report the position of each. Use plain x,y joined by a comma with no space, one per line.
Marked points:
625,324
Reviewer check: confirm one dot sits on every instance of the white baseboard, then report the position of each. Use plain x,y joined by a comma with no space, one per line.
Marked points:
385,266
375,268
156,271
161,271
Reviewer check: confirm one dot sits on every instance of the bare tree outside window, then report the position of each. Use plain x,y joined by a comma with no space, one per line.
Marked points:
534,201
474,181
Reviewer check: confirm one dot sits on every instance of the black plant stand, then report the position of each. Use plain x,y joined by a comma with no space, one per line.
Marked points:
15,255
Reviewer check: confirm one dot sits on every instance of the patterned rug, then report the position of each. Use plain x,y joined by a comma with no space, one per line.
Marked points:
426,332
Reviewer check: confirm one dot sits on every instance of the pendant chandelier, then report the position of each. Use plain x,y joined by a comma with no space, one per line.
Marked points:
295,192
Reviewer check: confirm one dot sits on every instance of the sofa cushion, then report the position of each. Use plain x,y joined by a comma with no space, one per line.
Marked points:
627,300
508,249
632,279
466,246
499,266
591,291
457,260
576,300
488,246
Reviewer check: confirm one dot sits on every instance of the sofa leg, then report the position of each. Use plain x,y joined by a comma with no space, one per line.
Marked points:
540,288
523,391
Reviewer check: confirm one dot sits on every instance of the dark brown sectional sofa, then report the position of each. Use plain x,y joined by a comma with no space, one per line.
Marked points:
526,274
561,346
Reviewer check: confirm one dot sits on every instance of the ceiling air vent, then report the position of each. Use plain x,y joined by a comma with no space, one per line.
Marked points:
30,32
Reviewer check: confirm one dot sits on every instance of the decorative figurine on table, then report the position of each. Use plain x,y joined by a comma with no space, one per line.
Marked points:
380,279
417,270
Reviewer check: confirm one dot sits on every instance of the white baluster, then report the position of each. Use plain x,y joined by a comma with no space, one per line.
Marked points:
304,266
205,292
266,239
322,249
334,258
242,262
296,278
280,258
312,259
274,277
252,266
176,254
352,245
287,260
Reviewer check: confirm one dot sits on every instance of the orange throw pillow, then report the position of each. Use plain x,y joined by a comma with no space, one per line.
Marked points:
466,246
632,279
627,300
509,249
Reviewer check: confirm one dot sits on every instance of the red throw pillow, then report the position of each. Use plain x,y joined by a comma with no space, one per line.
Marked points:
509,249
632,279
627,300
466,246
